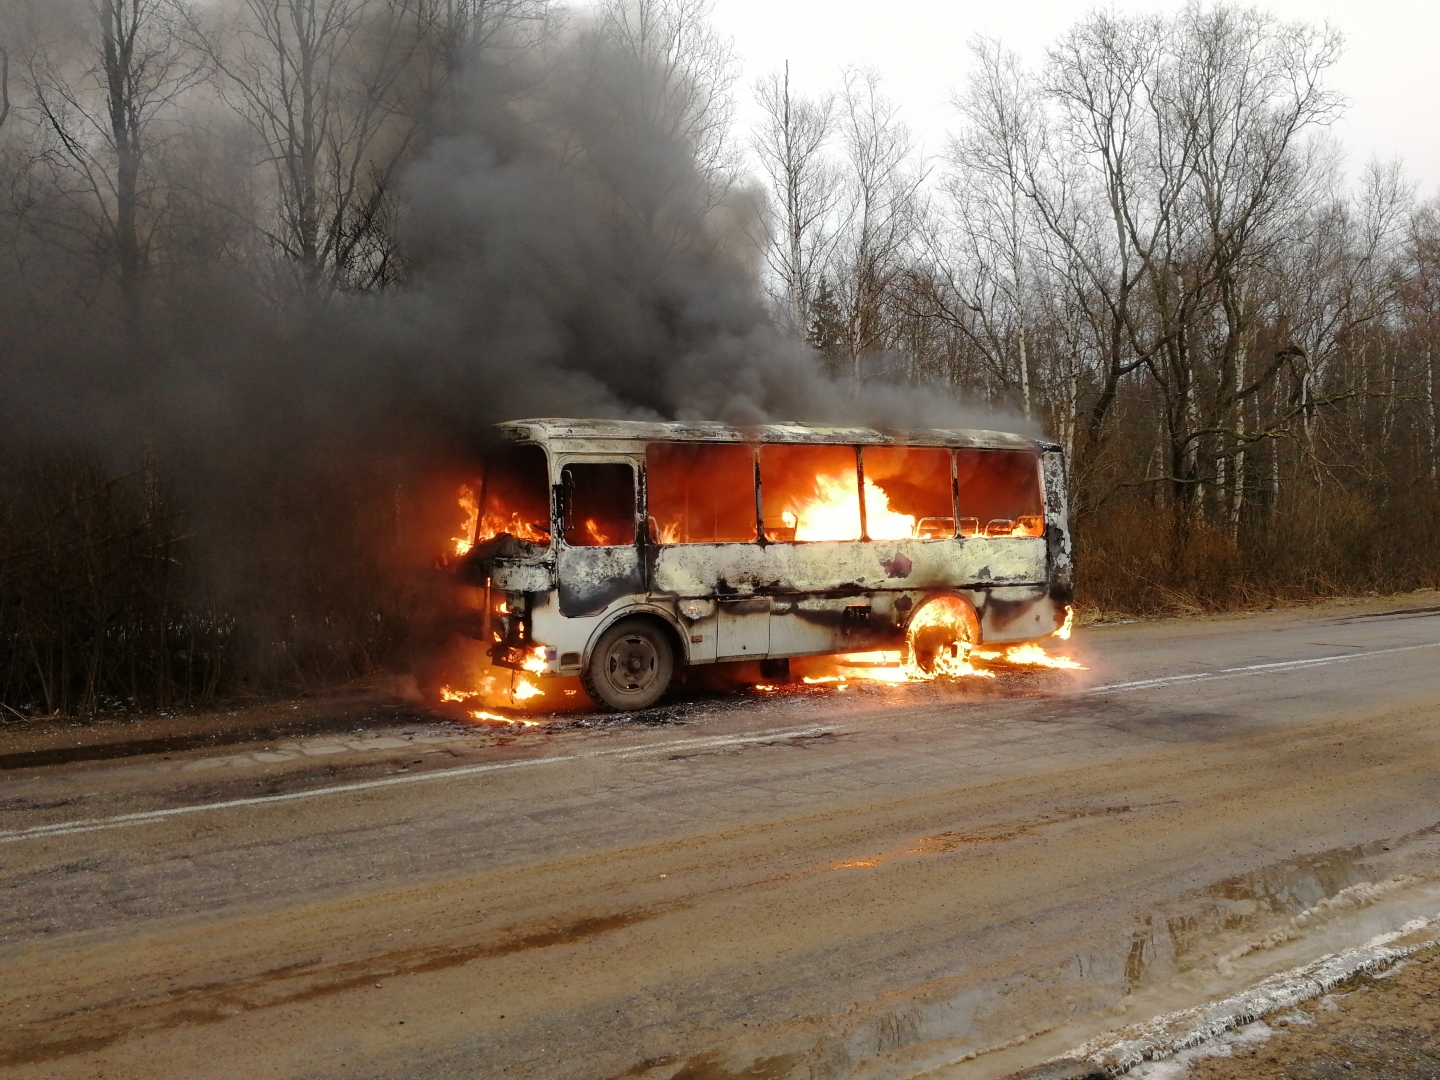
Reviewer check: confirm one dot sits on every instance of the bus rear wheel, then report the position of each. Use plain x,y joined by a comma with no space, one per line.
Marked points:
631,665
941,634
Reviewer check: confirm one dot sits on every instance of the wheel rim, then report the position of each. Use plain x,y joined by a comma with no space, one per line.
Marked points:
633,664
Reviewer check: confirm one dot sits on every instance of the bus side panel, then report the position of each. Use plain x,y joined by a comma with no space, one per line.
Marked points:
845,567
590,579
1014,613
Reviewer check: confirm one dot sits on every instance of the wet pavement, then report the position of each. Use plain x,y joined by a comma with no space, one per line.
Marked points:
887,882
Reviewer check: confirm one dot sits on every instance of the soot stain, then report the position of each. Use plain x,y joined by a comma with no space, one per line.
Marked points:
1191,726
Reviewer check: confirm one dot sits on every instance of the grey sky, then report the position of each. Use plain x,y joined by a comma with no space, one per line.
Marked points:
1390,70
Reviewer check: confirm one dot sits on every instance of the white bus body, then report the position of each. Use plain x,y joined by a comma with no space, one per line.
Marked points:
702,532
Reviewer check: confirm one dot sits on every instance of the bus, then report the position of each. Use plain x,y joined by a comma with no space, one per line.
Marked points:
622,552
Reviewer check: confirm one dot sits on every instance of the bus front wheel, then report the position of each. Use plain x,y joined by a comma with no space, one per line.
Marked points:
630,666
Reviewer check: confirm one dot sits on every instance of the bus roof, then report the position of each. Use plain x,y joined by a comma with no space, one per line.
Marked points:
562,432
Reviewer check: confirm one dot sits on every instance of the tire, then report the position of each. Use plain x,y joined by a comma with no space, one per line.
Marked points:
941,633
630,666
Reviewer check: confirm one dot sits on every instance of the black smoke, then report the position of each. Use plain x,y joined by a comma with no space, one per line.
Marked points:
567,255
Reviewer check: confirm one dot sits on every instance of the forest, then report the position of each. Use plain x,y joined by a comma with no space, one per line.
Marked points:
269,268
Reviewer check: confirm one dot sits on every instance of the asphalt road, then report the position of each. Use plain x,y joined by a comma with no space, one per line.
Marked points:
884,882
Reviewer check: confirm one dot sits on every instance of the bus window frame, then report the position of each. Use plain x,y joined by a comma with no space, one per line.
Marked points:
949,451
482,492
558,508
753,451
854,448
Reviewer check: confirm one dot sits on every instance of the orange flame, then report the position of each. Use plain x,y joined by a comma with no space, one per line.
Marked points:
496,718
495,524
465,541
1030,655
937,647
832,514
882,523
1064,632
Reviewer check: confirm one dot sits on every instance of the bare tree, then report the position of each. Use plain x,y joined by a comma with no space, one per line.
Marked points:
319,83
687,72
461,33
883,184
1169,168
981,258
803,190
1085,180
1230,108
105,106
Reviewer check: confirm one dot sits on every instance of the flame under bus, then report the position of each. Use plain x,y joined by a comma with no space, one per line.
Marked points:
619,551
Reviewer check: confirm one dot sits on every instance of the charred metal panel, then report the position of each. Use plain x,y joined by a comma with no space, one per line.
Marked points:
743,629
1058,549
592,578
513,575
1016,613
627,436
707,570
701,626
1016,560
808,625
815,625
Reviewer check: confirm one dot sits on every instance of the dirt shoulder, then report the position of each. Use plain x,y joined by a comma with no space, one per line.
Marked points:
1355,605
52,741
1372,1027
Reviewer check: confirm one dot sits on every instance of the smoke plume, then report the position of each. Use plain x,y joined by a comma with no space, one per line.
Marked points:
568,253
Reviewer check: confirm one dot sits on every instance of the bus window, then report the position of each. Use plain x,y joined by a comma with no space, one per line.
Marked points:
516,497
599,504
1000,493
908,493
809,492
700,493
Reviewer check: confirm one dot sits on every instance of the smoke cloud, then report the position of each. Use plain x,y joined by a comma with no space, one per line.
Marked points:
567,254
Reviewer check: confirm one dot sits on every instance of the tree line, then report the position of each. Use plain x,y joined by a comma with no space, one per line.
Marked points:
1146,247
1149,247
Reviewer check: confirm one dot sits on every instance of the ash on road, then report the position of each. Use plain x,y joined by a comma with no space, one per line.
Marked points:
889,882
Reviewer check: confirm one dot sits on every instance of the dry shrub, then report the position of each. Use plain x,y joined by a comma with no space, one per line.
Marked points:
113,598
91,612
1321,539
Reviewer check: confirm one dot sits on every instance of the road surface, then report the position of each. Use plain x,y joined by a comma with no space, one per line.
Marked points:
941,881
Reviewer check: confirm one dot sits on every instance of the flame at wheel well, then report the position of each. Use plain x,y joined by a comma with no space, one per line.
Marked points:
942,631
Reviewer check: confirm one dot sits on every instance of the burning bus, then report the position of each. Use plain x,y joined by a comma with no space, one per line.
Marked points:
623,551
